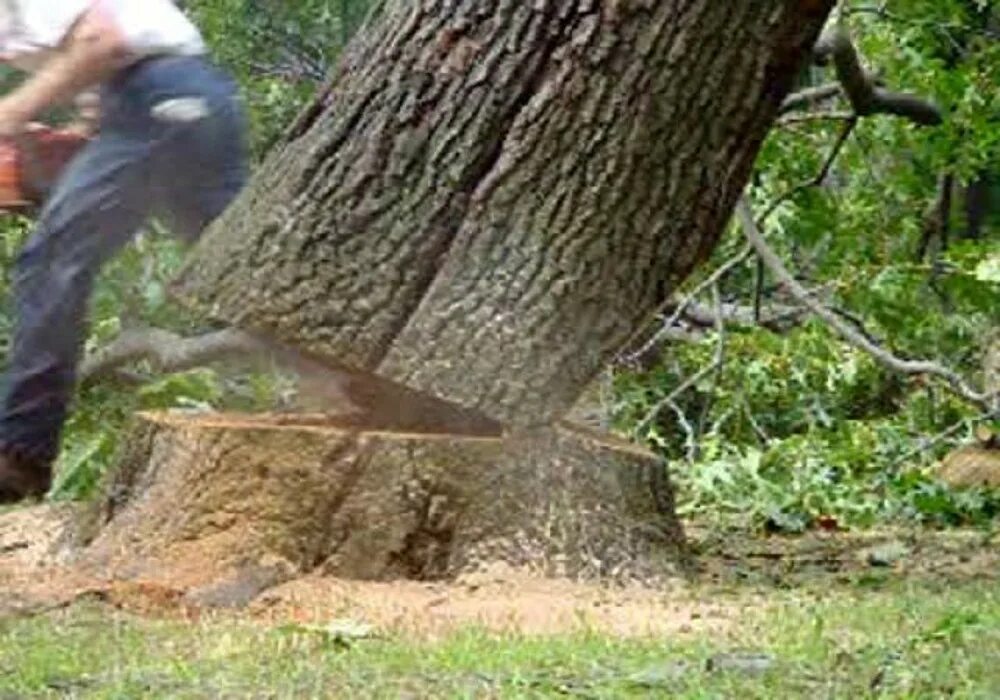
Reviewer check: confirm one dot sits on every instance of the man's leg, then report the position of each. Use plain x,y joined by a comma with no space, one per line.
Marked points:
94,211
190,163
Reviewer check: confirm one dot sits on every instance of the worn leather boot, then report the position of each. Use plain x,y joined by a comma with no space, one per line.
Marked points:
22,478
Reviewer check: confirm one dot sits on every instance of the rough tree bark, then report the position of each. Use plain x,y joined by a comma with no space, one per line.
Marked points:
490,199
495,195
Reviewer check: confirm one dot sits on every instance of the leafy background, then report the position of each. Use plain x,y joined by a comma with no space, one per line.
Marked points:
799,426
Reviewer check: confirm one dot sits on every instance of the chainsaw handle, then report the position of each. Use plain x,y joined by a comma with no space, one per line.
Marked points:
34,181
40,155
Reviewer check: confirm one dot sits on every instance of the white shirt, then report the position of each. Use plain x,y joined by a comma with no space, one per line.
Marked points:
150,27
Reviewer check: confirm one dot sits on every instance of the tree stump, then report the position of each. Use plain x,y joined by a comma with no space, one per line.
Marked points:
206,494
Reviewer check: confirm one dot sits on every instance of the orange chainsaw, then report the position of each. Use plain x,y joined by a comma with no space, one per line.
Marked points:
32,162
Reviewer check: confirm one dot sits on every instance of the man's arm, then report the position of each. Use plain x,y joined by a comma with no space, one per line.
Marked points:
93,49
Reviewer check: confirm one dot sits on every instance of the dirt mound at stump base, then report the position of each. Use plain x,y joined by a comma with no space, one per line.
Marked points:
38,576
212,511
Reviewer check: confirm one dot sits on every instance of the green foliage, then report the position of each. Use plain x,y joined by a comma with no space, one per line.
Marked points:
799,427
279,52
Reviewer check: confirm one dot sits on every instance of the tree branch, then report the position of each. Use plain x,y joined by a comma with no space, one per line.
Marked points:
777,318
716,365
816,181
719,362
667,326
862,89
166,351
810,97
832,116
690,442
937,221
952,380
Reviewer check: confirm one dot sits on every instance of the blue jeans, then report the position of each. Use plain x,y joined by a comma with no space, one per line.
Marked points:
170,145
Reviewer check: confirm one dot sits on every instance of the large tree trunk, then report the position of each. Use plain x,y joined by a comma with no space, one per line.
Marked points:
494,196
489,201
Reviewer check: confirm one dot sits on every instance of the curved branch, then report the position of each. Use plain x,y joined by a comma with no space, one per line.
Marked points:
862,89
820,177
850,334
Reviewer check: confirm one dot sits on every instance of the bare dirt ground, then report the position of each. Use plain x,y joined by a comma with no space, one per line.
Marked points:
735,571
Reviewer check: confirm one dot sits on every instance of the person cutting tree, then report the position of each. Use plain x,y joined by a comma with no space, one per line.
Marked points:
170,143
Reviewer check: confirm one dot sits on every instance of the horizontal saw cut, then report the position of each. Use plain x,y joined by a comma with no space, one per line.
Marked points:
209,493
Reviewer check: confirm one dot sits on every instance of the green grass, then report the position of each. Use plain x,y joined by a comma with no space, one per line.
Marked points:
904,641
